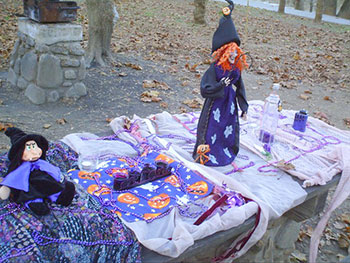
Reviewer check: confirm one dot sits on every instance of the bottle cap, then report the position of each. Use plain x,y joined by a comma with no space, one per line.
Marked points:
276,86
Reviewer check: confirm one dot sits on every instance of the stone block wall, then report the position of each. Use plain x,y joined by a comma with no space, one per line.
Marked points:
46,66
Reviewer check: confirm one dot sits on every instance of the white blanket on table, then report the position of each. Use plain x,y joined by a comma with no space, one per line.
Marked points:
274,191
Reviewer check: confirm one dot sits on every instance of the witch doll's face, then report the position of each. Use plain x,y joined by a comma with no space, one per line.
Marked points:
31,152
232,57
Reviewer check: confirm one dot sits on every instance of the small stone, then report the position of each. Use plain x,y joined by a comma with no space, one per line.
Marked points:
78,90
21,50
12,77
76,49
53,96
82,69
22,83
70,63
56,49
67,84
41,48
17,66
35,94
29,66
30,42
70,74
50,73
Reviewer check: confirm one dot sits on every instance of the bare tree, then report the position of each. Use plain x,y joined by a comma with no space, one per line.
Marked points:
102,15
330,7
319,11
344,11
282,6
199,11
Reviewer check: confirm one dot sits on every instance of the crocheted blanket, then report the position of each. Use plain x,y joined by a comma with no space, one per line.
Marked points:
82,232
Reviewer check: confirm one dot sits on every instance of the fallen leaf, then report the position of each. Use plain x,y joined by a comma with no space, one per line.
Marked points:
123,74
304,96
327,98
285,166
347,122
321,116
339,225
133,66
61,121
345,218
299,256
164,105
296,56
155,84
191,68
46,126
308,91
183,109
343,241
194,103
127,124
4,126
150,96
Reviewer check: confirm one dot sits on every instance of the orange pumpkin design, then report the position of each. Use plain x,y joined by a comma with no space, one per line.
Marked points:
198,188
121,171
149,216
162,157
159,201
94,189
124,161
117,212
173,180
128,198
88,176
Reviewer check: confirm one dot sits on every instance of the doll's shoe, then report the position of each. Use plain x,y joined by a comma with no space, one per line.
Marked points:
66,196
39,208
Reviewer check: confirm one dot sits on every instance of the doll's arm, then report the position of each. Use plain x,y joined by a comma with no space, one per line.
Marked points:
4,192
210,87
241,97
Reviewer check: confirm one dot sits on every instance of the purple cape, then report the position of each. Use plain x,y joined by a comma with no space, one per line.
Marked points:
19,178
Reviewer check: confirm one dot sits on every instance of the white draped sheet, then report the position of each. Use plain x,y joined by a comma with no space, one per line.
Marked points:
274,192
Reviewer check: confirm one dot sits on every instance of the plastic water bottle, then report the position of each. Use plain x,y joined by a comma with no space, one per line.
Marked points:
270,116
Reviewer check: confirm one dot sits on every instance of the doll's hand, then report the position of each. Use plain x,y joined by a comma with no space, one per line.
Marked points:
4,192
226,81
244,116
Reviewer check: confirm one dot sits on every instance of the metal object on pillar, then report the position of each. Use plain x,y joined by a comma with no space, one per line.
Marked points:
50,11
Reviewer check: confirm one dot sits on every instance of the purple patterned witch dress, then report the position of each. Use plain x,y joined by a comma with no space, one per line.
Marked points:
218,124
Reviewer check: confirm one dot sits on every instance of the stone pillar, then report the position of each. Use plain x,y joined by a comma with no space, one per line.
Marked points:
47,61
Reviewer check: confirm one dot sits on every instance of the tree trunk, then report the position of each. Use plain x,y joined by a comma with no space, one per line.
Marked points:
330,7
199,11
281,6
102,15
299,4
319,11
344,11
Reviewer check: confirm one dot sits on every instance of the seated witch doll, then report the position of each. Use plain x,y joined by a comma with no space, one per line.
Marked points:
30,179
218,127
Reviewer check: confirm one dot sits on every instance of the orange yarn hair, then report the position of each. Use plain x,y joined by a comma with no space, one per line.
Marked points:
222,54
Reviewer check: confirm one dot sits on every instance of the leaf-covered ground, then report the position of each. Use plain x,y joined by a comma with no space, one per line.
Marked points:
160,56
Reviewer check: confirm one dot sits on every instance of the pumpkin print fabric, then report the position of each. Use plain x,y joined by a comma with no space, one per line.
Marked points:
147,201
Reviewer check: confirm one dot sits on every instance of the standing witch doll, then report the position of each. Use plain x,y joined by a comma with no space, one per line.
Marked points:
30,179
218,127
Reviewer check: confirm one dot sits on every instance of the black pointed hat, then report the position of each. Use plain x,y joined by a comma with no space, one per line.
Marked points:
19,138
226,31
